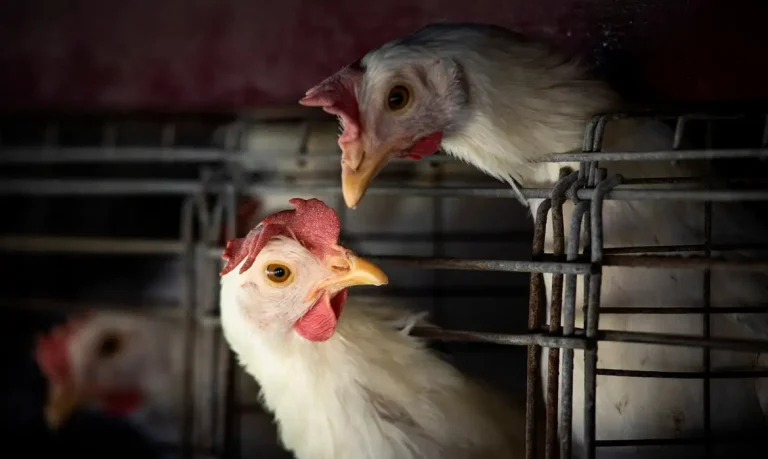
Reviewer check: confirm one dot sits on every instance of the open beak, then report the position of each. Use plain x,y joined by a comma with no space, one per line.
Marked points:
358,169
62,402
360,272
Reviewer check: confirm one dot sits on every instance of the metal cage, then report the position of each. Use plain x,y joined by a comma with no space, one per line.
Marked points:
588,187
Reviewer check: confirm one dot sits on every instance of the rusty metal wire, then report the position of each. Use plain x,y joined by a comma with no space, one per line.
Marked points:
599,188
555,311
189,308
588,188
115,187
535,311
75,155
569,325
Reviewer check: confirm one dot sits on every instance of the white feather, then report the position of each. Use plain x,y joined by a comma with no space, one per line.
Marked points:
525,102
369,392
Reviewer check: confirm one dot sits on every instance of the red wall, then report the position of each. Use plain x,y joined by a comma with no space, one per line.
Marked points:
225,54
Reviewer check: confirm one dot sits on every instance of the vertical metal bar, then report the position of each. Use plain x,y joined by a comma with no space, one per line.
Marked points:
303,150
706,317
593,311
569,325
597,141
204,224
306,133
589,133
677,141
211,287
764,142
208,229
555,308
594,175
588,171
168,135
216,222
707,331
587,251
569,312
233,138
438,243
534,323
188,303
231,448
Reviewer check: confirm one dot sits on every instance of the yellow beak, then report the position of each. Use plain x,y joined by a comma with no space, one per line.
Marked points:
62,401
360,272
358,169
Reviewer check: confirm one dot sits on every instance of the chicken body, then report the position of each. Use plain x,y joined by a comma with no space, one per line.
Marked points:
499,101
374,392
367,391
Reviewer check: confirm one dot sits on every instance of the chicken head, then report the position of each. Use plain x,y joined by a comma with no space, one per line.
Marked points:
293,275
92,361
484,94
399,106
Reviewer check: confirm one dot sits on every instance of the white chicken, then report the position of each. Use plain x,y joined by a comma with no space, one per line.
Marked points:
131,367
499,101
346,385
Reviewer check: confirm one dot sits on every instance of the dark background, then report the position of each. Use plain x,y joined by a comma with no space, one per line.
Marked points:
231,56
236,54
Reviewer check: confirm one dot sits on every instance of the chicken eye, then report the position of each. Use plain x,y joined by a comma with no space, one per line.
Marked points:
398,98
277,273
109,345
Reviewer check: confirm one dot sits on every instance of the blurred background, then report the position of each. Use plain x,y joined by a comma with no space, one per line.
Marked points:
131,134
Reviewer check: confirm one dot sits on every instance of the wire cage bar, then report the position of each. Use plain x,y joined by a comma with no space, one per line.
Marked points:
596,187
587,188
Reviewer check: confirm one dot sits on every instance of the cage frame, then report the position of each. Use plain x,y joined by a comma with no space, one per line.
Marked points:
588,188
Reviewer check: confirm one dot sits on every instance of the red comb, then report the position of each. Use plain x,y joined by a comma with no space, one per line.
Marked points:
52,353
312,223
337,96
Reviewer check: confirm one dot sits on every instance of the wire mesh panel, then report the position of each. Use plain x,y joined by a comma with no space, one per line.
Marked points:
574,249
587,189
109,250
207,180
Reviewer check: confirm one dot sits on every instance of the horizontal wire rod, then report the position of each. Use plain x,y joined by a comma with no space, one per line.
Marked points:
45,154
187,187
577,341
158,247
